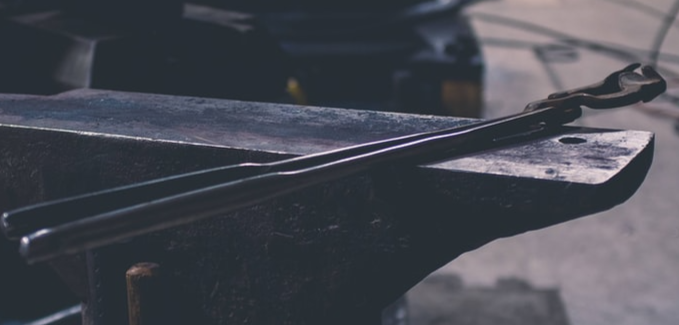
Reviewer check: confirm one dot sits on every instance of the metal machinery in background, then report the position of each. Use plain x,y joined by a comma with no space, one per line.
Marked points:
144,46
408,56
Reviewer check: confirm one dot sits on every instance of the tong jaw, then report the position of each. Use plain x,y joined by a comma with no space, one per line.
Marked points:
620,88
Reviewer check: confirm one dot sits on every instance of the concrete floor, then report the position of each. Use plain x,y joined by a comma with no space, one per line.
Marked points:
620,266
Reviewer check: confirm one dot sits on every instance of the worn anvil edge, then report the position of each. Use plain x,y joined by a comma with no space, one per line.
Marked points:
601,157
127,137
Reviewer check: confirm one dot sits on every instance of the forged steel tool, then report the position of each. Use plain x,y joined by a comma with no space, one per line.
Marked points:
71,225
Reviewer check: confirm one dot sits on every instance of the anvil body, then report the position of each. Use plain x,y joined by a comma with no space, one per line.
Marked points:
332,254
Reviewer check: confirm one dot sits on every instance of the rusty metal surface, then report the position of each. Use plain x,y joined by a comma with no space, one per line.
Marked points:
332,254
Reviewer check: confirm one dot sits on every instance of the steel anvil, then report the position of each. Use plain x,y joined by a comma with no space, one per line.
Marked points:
336,253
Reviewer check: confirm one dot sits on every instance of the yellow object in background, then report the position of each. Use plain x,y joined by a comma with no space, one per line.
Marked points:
296,92
461,98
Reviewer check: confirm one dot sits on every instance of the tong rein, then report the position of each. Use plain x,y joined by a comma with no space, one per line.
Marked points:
71,225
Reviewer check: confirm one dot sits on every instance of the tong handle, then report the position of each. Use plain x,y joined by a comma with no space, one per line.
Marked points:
110,226
191,197
22,221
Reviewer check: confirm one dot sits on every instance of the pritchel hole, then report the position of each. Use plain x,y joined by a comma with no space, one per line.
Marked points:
572,140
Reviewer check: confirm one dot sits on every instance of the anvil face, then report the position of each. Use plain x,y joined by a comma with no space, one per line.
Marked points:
331,254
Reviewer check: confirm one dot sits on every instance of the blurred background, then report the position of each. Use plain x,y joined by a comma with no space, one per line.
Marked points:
462,58
615,267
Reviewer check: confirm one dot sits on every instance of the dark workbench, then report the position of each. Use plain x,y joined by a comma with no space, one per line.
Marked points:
332,254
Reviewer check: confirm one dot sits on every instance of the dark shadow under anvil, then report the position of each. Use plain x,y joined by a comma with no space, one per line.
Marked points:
332,254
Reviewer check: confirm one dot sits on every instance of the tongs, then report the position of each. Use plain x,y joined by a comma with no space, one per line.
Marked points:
75,224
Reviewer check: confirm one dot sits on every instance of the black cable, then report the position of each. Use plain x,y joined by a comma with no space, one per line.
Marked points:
658,42
642,7
561,37
521,44
564,38
662,33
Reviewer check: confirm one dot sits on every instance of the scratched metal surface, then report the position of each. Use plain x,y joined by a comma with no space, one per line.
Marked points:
332,254
302,130
594,161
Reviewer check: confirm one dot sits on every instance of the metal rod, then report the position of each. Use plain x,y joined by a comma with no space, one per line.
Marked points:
220,199
70,315
22,221
197,196
145,294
